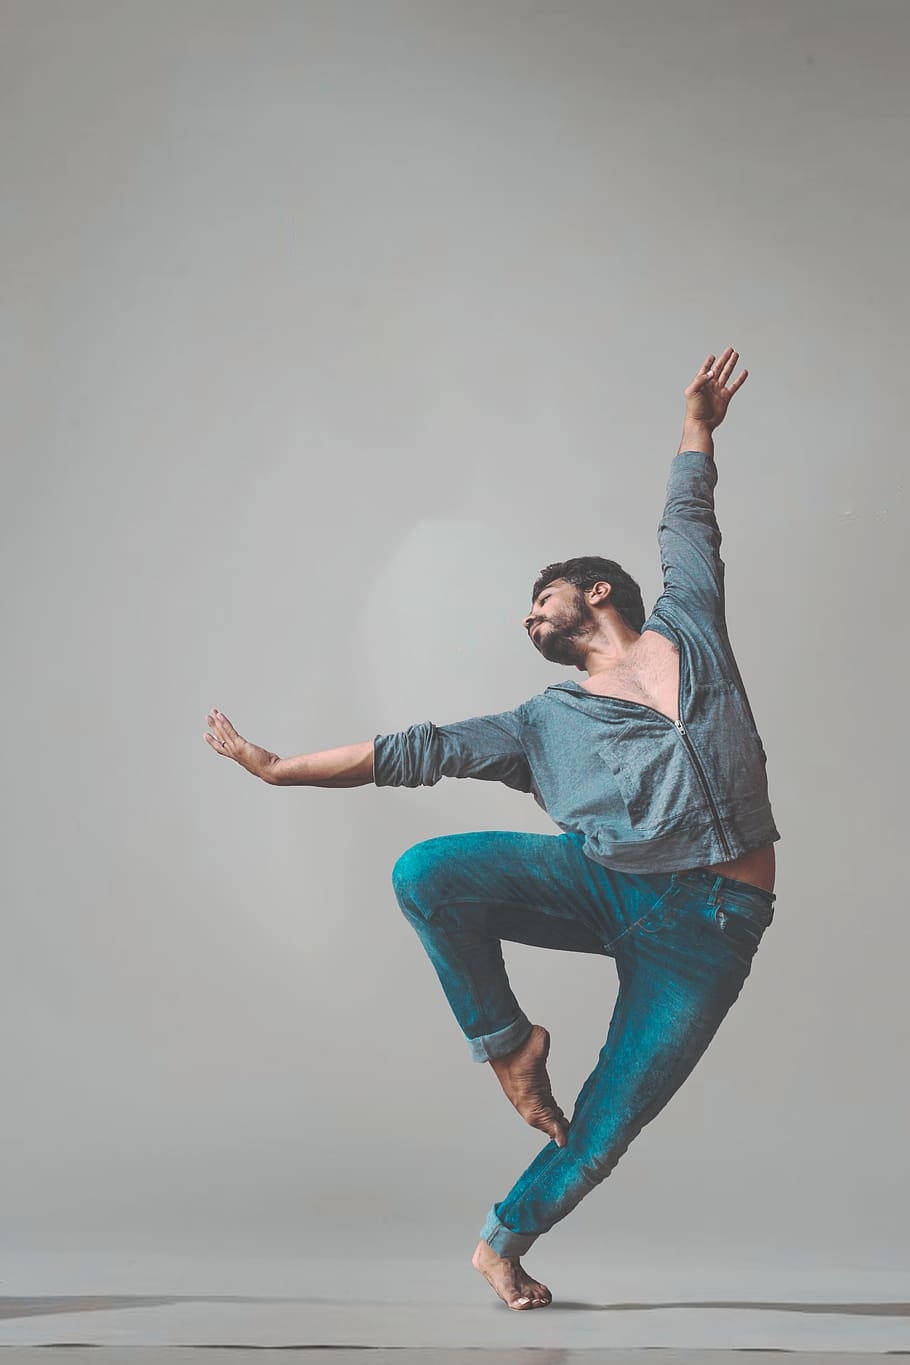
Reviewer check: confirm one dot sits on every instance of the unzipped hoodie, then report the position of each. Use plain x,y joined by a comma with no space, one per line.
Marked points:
645,793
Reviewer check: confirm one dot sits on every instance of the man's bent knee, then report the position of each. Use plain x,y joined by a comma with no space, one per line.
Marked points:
420,866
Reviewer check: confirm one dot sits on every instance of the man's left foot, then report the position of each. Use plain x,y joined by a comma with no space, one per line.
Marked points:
513,1285
522,1074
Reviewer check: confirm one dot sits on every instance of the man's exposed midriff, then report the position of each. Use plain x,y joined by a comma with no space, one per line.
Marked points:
756,867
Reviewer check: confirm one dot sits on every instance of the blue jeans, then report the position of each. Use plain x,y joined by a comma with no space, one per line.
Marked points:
683,944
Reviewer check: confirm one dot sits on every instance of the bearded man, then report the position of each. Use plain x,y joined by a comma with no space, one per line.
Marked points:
655,772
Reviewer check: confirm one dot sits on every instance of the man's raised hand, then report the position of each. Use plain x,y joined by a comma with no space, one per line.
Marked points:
708,394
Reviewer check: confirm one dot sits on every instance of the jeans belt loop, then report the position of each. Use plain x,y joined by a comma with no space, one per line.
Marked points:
712,897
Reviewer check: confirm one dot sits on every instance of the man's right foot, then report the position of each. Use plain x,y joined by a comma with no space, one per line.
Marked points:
523,1076
511,1281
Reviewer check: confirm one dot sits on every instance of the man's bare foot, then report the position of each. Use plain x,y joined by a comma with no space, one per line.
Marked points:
523,1076
513,1285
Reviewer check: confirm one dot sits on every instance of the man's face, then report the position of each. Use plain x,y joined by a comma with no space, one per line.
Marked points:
559,622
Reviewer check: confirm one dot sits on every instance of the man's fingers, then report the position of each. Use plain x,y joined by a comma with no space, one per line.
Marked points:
222,727
720,371
221,721
702,376
727,366
224,736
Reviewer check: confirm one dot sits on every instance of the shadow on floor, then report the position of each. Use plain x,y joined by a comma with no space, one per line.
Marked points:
43,1305
385,1355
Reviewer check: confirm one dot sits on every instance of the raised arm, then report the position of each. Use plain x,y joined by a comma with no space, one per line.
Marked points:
688,535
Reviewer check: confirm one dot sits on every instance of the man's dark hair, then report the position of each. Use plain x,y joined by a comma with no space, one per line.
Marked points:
586,570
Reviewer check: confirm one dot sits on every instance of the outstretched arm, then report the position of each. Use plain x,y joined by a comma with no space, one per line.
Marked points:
486,747
688,535
349,766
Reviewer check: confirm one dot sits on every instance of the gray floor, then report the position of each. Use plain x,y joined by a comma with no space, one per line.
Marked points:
174,1327
134,1308
179,1355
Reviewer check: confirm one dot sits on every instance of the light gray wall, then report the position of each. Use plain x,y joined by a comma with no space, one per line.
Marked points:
326,326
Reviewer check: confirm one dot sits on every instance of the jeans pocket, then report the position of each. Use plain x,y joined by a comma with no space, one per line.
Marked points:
652,916
663,913
738,928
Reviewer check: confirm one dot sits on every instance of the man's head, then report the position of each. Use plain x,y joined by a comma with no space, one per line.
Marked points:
567,601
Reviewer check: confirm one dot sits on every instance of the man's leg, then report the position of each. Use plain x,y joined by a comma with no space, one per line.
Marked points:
681,967
465,893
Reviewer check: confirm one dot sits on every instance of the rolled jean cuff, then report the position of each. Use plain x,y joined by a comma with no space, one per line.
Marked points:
503,1240
504,1040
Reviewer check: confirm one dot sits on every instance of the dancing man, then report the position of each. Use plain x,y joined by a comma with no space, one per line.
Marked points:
654,770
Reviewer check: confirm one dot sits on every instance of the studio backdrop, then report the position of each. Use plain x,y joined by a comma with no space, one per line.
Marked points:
327,325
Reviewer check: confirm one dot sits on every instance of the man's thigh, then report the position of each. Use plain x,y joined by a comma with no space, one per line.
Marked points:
542,888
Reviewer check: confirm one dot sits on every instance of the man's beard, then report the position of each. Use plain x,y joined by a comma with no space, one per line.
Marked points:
561,640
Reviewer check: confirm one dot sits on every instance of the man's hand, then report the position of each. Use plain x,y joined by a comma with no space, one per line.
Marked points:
707,396
226,742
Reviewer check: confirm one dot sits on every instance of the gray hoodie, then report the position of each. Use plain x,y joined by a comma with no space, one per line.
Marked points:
646,794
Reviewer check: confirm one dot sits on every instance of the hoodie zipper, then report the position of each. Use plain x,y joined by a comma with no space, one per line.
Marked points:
690,748
694,756
704,782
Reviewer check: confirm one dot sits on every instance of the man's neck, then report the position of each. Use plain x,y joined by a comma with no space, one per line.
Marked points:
606,655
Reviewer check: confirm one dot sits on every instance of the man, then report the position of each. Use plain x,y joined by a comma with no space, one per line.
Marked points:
655,772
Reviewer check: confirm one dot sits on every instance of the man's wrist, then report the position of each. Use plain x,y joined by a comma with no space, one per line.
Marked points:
265,766
284,771
696,436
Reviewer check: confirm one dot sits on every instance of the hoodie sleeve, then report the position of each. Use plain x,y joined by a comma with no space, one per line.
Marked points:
485,747
689,537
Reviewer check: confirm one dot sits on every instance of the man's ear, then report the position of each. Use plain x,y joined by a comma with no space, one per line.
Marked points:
600,593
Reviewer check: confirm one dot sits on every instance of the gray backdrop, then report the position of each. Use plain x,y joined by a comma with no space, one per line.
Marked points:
327,325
